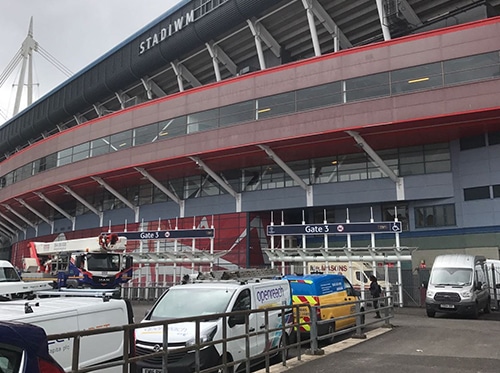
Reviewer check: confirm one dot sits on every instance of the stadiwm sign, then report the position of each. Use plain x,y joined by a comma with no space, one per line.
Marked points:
165,32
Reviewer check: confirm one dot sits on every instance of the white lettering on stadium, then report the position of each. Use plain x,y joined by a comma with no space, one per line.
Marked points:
166,32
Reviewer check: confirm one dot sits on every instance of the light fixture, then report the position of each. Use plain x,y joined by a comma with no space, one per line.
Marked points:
264,110
418,80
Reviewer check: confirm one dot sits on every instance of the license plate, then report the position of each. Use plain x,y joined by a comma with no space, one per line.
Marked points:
449,306
151,370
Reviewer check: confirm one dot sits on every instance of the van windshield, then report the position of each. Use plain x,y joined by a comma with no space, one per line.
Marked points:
182,301
8,274
451,276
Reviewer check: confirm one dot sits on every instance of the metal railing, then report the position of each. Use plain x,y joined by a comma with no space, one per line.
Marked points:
295,341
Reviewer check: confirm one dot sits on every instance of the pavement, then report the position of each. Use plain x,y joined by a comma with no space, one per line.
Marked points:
414,343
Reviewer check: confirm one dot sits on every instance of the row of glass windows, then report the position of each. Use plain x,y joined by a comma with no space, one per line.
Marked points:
482,192
466,69
435,216
480,141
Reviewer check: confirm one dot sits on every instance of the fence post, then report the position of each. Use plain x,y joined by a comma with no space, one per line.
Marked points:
359,322
387,309
313,332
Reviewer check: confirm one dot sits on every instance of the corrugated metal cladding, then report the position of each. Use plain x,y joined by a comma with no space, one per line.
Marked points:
124,67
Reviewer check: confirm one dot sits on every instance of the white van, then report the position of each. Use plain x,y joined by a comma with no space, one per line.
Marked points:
213,297
11,285
458,284
493,270
71,313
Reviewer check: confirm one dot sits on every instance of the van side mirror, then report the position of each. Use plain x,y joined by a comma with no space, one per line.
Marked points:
129,261
236,320
479,285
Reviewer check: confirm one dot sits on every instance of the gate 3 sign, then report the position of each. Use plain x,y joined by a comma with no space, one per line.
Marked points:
330,229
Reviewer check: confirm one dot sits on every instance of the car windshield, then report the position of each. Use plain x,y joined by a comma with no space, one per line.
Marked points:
187,301
451,276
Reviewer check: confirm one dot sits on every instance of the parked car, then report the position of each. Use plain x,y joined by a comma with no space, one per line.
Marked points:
24,349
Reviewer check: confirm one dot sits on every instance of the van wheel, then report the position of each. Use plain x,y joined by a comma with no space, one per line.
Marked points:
431,313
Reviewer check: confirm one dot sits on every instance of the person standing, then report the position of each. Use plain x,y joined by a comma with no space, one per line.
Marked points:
375,291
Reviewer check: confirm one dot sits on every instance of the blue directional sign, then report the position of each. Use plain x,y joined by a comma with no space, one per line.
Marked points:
330,229
163,235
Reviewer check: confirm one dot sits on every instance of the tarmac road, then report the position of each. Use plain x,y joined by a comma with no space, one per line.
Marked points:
415,344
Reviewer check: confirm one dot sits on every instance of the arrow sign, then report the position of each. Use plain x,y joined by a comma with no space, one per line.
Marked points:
163,235
329,229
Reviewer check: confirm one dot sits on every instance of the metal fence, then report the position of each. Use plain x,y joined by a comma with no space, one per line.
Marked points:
295,343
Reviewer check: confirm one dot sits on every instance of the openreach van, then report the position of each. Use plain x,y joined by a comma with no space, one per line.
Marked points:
458,284
207,298
73,312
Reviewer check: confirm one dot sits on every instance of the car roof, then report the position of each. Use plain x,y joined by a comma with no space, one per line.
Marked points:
29,337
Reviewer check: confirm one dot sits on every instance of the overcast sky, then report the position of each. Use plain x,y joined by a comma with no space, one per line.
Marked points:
74,32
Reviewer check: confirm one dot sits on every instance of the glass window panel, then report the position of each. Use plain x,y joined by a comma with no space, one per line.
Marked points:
121,140
64,157
353,167
172,128
145,134
202,121
412,154
210,187
435,216
237,113
365,87
272,177
416,78
251,179
99,146
494,138
81,151
45,163
176,186
474,142
25,171
145,194
470,68
233,178
412,169
496,191
10,178
324,170
192,187
438,166
449,215
276,105
323,95
471,194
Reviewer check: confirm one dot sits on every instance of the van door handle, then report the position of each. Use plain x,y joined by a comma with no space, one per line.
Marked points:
251,329
263,326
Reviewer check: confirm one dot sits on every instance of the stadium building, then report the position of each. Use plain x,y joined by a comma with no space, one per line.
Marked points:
234,114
